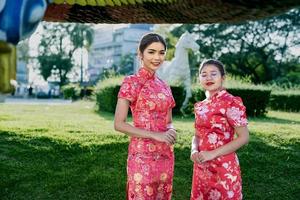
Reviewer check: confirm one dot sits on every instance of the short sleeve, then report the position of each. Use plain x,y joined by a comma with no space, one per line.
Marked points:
236,113
128,89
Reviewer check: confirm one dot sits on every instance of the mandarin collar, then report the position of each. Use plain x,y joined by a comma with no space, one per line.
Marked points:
217,94
144,73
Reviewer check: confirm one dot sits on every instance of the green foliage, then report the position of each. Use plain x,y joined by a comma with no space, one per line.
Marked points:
255,100
81,36
107,98
87,92
287,101
126,64
257,49
56,65
290,79
108,73
107,94
57,46
110,81
71,91
179,95
197,95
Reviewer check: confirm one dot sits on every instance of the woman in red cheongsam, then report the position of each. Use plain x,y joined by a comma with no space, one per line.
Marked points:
150,162
217,173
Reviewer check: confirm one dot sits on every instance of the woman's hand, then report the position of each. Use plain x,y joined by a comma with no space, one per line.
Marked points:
168,136
194,157
203,156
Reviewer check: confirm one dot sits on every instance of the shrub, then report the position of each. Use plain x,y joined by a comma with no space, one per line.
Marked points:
286,101
87,92
107,98
107,92
179,95
254,99
197,95
71,91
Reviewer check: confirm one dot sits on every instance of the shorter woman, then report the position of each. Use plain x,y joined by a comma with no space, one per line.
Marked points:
216,167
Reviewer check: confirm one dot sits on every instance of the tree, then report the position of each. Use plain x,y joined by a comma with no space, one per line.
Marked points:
23,51
82,37
57,46
56,65
126,64
258,49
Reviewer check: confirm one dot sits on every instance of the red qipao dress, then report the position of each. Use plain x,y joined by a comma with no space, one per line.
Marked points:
215,119
150,163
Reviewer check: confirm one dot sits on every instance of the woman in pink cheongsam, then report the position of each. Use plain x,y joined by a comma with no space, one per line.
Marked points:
218,118
150,162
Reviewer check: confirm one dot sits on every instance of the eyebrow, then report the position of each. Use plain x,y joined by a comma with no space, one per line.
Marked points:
155,50
210,71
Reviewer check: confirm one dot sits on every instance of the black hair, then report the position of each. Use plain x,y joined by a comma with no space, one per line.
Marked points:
148,39
214,62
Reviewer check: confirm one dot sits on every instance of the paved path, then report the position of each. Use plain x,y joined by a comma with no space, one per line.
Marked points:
9,100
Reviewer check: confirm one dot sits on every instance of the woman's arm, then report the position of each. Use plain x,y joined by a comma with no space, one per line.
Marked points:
194,149
241,139
121,125
170,127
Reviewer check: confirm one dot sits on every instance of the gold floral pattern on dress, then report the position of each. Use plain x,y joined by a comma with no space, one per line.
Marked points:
149,190
138,177
150,163
163,177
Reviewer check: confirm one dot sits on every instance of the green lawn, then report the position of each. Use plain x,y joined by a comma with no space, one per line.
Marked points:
72,152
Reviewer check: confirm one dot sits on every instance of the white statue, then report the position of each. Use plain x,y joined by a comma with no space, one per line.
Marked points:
177,71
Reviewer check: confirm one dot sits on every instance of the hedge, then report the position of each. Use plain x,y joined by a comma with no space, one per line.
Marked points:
285,101
107,98
71,91
74,91
255,99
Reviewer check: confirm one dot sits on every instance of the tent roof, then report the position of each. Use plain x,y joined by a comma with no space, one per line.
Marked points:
165,11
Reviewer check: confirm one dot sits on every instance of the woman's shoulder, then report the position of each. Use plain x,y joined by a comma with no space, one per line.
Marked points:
200,103
132,79
231,99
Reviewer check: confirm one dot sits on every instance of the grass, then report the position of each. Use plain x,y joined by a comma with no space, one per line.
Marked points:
72,152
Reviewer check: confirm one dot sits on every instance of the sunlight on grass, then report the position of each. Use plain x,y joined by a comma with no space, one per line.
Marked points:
72,152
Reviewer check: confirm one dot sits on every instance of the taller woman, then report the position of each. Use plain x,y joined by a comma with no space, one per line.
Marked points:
150,162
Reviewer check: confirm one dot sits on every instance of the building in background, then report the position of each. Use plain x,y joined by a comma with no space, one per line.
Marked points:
22,78
111,44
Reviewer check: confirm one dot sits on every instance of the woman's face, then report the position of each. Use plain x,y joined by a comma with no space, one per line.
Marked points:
153,56
211,78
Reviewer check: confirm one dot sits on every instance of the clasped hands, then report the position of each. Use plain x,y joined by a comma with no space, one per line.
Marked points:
203,156
168,136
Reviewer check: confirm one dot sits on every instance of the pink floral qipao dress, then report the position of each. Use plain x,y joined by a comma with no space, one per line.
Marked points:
215,119
150,163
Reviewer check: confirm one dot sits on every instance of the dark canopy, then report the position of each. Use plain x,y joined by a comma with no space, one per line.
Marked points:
166,11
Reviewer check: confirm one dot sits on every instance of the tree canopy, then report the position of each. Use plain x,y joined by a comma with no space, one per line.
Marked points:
261,50
58,44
